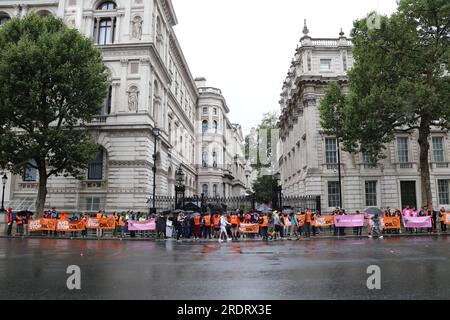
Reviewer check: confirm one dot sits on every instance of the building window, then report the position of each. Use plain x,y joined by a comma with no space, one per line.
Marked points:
106,108
443,190
205,190
331,152
205,110
4,19
402,146
95,169
333,194
104,28
93,203
215,126
371,193
204,159
325,64
438,149
215,111
107,5
215,194
204,126
30,173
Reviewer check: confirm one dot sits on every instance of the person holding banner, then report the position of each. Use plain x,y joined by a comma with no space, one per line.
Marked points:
264,227
234,220
307,224
442,216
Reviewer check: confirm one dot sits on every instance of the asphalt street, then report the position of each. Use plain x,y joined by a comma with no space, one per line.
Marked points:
411,268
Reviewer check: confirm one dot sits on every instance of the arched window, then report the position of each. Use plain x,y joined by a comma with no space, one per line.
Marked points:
4,18
204,126
107,5
105,27
215,126
44,13
204,159
106,108
95,169
205,190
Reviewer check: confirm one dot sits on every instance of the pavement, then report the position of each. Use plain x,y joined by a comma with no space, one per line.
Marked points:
412,267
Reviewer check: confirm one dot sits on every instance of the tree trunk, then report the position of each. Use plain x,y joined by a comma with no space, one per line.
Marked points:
42,192
424,133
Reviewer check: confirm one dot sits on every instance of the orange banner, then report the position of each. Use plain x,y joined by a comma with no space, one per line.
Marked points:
325,221
102,223
42,225
391,222
300,219
249,228
73,226
447,218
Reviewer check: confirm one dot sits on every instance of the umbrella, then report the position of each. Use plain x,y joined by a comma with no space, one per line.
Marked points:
287,211
24,213
196,214
374,211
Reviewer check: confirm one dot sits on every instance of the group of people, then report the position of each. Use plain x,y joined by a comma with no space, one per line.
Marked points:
224,226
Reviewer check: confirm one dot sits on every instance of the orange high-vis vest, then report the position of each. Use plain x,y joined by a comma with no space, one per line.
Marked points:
19,220
99,215
207,221
442,219
216,220
121,222
234,219
308,216
197,220
265,222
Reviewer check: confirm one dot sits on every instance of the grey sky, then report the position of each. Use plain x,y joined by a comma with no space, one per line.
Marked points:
245,47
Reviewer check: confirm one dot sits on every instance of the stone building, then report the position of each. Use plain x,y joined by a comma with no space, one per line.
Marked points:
308,157
151,86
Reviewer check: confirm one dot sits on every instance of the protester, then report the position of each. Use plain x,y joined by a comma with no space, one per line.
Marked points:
442,215
223,227
10,221
206,224
234,222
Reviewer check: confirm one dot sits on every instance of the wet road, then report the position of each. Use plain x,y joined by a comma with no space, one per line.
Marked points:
411,268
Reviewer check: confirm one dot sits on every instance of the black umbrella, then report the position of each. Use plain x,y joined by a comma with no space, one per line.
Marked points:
374,211
24,213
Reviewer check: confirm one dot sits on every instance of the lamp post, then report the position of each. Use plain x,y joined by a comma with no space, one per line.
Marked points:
277,200
4,180
337,118
156,132
179,188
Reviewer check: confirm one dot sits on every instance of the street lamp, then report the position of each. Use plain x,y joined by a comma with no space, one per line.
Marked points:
337,118
179,188
4,180
277,201
156,132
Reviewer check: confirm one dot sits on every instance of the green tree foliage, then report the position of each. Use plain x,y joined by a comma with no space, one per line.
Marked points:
262,187
398,82
52,81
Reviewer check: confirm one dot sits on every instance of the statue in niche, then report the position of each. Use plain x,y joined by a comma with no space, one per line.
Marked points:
137,28
133,100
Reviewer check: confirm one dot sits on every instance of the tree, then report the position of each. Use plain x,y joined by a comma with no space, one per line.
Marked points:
260,153
262,187
398,82
52,81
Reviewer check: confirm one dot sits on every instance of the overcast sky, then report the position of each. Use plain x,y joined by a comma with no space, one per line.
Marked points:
244,47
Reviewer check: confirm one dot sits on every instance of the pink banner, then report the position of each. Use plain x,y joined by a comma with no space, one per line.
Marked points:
148,225
417,222
356,220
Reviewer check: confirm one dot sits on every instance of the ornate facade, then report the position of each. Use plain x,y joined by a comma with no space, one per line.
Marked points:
151,86
308,157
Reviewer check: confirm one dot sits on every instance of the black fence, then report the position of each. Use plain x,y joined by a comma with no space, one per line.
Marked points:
203,203
301,202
